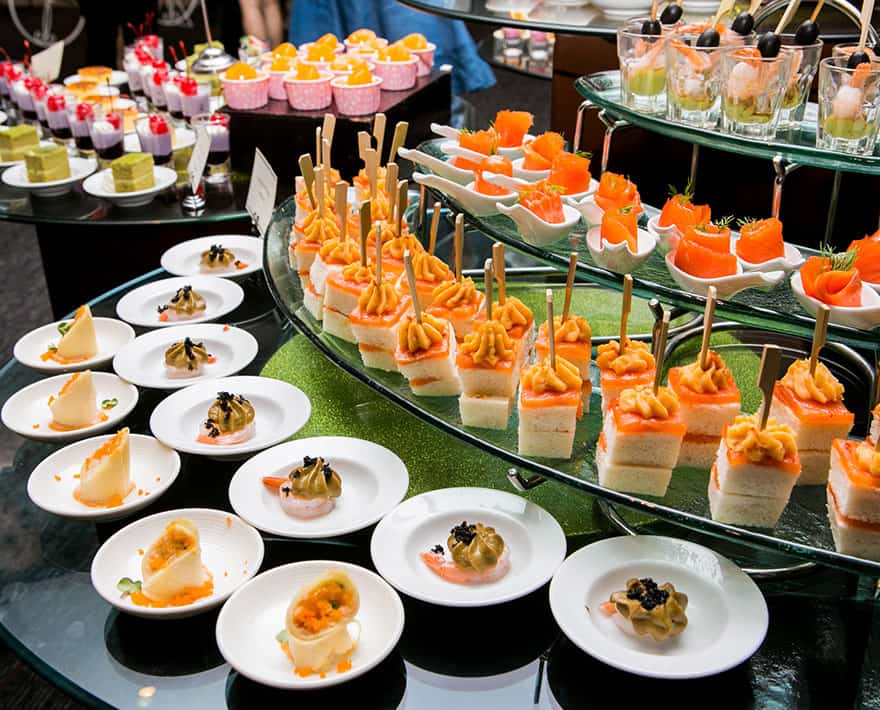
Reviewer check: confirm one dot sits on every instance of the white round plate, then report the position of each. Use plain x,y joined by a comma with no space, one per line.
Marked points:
183,138
27,411
8,163
100,184
17,177
111,334
374,481
117,78
183,259
280,411
253,616
154,468
231,550
139,307
727,614
535,542
142,362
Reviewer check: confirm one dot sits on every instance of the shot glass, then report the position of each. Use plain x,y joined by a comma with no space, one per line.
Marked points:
642,70
79,115
849,106
693,82
217,168
844,50
195,98
154,134
804,65
751,91
106,131
58,118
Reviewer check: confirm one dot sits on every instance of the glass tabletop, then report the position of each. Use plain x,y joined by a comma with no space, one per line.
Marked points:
510,656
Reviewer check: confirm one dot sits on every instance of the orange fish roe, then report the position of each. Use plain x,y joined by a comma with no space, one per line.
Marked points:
186,597
228,521
158,478
225,328
322,608
140,550
35,426
76,475
113,502
140,491
57,477
343,665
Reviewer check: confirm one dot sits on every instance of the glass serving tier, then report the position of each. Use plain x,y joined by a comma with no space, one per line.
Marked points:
803,529
774,308
796,146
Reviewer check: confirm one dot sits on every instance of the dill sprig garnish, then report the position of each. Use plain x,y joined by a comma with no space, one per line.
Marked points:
687,193
838,261
743,221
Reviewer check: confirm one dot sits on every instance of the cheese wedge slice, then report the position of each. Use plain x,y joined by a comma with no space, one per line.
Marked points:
105,475
76,404
173,562
79,342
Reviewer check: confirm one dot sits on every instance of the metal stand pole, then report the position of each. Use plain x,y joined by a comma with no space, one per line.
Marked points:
832,206
782,169
695,161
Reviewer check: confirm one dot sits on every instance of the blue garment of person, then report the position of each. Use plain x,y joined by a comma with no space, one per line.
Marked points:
390,19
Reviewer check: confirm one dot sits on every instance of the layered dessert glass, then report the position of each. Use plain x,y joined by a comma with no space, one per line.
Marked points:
849,102
751,91
642,70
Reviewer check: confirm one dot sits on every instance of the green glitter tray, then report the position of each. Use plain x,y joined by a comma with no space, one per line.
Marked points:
803,529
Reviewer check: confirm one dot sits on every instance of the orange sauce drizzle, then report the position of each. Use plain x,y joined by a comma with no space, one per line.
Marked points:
113,502
185,597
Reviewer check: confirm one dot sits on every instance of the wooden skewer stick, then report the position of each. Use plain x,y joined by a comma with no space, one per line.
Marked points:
867,11
391,191
488,278
378,254
877,445
328,128
457,243
815,10
770,359
400,131
876,399
786,18
402,204
819,333
625,308
753,6
724,7
365,219
551,331
325,161
319,190
411,279
318,153
653,9
372,165
660,350
379,133
435,224
569,284
307,170
708,315
363,145
500,275
341,205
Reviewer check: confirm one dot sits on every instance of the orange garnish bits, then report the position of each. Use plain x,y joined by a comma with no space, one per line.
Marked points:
836,288
571,172
760,241
485,142
493,164
616,191
512,127
620,225
543,202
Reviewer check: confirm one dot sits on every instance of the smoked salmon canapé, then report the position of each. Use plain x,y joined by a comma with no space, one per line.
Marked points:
543,201
754,472
760,240
512,127
309,490
833,279
616,191
332,257
573,342
341,293
430,272
550,405
498,165
231,420
853,494
620,225
640,441
570,172
694,257
710,400
394,249
374,323
489,372
518,321
680,211
811,405
317,229
539,153
425,356
457,302
620,370
477,555
867,261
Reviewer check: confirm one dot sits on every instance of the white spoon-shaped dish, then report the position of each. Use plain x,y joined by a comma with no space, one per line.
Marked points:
667,237
726,286
528,175
477,204
792,259
864,317
514,183
443,168
535,230
618,257
510,153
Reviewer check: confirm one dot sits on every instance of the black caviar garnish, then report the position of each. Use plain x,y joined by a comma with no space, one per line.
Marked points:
309,461
647,593
464,533
437,549
213,431
328,472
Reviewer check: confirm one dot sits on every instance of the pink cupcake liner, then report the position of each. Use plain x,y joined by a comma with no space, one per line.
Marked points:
320,66
309,94
397,76
352,46
276,85
426,59
337,72
245,95
357,100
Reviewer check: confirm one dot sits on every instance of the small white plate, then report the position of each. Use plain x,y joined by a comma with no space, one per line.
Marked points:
535,230
111,334
183,138
139,307
443,168
183,259
17,177
280,411
792,259
534,539
8,163
101,185
117,78
253,616
154,467
232,551
726,286
618,257
864,317
374,481
142,362
474,202
27,411
727,614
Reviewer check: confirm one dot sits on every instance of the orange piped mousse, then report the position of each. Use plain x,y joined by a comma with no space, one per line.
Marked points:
425,355
549,407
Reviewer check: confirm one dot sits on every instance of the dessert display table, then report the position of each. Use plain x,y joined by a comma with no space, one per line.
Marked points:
818,653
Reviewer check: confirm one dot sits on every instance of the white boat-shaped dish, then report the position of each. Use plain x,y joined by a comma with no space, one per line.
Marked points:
184,259
101,185
793,259
80,168
864,317
154,467
232,551
528,175
618,257
727,613
443,168
535,230
726,286
253,616
139,307
667,237
111,334
27,411
472,201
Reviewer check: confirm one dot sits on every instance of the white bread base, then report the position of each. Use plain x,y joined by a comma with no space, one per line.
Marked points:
382,337
340,300
643,480
489,382
379,359
547,419
854,502
751,511
698,453
319,272
875,429
304,259
337,324
314,302
814,467
814,436
437,388
484,411
545,444
658,450
851,540
752,480
708,419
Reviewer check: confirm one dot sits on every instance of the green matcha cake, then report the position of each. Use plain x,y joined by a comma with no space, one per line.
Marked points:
46,163
14,141
133,172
